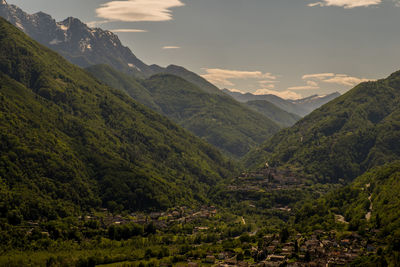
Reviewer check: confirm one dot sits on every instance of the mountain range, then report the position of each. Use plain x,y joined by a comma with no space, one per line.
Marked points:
121,140
300,107
235,129
70,143
217,118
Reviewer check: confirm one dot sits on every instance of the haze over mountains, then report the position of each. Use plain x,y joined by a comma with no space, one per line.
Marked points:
300,107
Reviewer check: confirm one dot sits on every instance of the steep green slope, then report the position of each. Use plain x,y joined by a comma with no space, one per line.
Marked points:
218,119
368,206
190,77
125,82
271,111
69,142
343,138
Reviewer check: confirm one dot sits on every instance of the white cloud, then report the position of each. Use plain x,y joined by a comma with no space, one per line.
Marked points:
223,77
128,30
318,76
312,84
264,82
171,47
138,10
269,86
346,3
235,90
304,87
346,80
282,94
96,23
340,79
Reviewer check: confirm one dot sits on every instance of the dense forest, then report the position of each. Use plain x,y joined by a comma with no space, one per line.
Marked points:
69,143
217,118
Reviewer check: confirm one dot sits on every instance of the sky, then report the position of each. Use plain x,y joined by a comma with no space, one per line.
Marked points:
291,48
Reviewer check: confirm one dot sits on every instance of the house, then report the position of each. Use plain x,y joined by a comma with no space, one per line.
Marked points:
345,242
210,259
271,249
221,256
276,258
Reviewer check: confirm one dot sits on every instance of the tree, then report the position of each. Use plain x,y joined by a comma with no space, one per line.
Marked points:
284,235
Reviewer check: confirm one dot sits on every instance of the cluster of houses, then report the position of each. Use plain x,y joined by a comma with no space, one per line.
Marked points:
267,179
320,249
160,219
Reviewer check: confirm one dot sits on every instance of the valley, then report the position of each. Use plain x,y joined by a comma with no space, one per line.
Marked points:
108,161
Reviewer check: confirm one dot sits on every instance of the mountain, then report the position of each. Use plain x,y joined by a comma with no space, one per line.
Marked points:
85,46
75,41
315,101
69,143
271,111
342,139
218,119
301,107
127,83
188,76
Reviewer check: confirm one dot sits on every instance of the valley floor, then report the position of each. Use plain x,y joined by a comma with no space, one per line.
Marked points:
249,232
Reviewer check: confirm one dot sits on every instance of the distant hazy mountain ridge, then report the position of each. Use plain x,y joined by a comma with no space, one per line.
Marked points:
299,107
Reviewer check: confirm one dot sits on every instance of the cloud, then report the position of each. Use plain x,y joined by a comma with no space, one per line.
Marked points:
171,47
269,86
312,84
346,80
138,10
305,87
346,3
223,77
128,30
264,82
340,79
235,90
318,76
282,94
93,24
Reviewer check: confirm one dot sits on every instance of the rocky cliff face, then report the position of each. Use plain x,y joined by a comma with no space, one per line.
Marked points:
76,41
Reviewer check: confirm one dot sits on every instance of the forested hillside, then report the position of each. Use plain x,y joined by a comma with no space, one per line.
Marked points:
69,143
219,119
368,206
276,114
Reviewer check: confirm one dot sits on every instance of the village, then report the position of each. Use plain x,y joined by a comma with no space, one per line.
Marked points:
319,249
268,179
